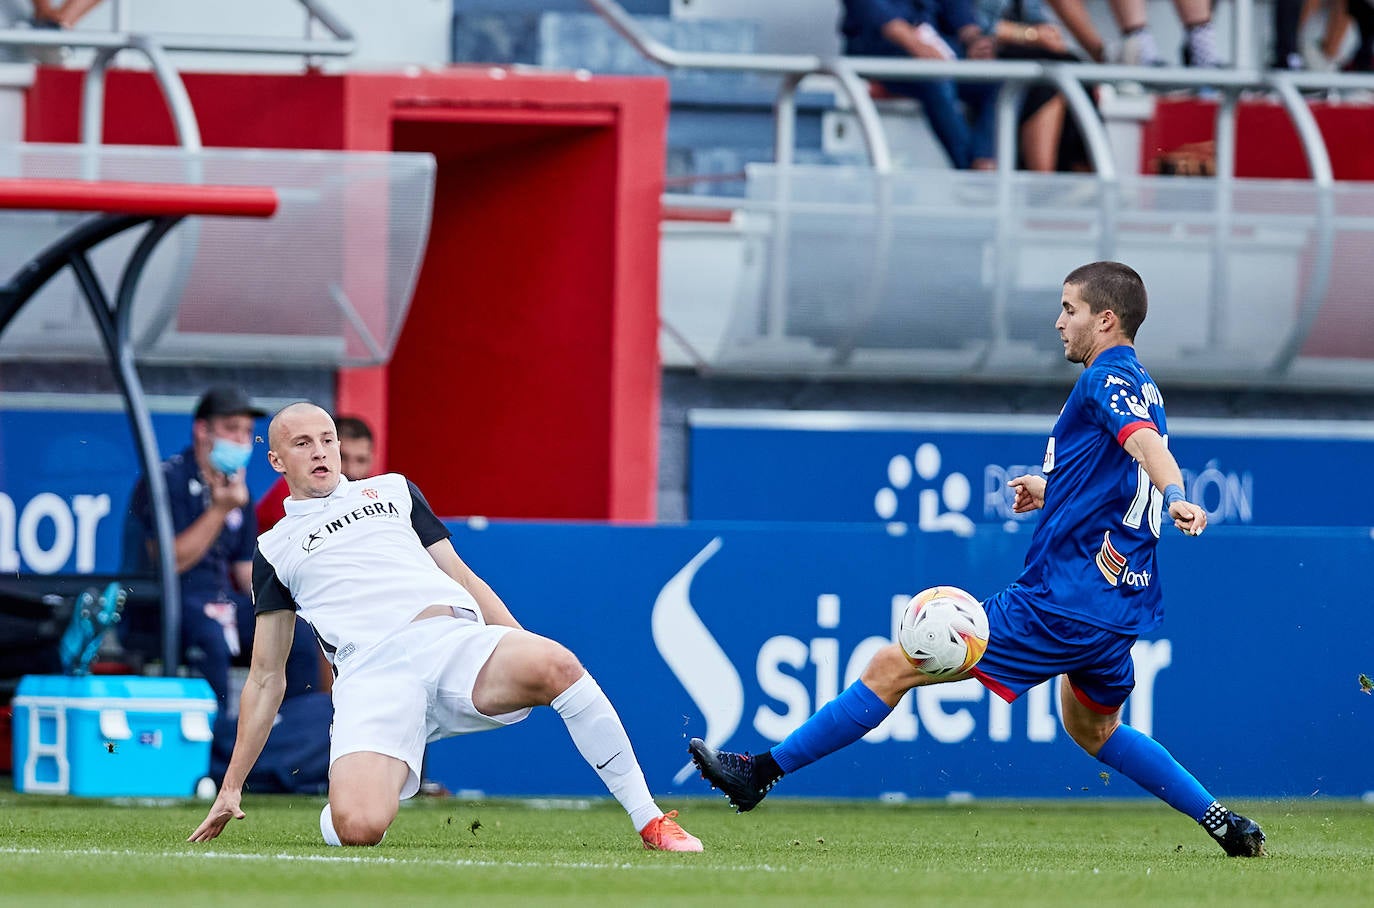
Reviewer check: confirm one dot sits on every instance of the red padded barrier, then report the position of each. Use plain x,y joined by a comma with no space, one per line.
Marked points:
1267,145
137,198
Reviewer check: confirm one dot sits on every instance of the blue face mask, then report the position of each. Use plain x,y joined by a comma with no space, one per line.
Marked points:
229,457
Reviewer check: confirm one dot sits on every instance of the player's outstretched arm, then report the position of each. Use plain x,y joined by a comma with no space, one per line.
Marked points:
1030,493
1148,448
494,611
262,696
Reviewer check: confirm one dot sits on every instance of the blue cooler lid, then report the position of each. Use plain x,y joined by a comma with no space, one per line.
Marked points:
122,687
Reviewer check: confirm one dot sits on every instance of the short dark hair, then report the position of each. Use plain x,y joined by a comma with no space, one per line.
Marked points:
351,427
1114,286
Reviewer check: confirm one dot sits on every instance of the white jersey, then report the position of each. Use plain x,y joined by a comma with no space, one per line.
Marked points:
354,564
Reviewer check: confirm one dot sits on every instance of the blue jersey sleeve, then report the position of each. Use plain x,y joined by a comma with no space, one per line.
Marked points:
1119,403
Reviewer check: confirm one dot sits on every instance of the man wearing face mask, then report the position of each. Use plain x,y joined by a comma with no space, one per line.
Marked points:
215,536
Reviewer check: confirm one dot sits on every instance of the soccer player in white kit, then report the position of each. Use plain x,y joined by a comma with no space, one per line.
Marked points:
421,646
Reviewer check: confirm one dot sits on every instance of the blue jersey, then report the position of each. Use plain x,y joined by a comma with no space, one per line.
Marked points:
1092,557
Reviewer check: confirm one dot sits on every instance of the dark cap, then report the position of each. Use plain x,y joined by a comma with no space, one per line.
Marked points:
226,400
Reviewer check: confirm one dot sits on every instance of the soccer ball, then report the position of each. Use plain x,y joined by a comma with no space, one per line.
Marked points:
944,631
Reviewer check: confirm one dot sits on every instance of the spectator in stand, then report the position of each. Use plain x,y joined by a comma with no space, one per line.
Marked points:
1288,16
215,534
1138,46
1362,11
356,453
1049,141
962,115
1324,54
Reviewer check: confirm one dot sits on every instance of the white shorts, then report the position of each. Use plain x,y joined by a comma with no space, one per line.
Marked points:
412,688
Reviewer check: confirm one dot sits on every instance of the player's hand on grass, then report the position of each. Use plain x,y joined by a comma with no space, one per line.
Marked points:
1190,518
1030,493
225,808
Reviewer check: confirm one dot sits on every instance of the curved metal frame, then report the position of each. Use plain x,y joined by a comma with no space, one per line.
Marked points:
114,324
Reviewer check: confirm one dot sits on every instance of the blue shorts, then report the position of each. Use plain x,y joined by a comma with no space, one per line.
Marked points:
1027,646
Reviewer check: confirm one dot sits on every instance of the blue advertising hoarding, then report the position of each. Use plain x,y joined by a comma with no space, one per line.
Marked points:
738,632
65,481
948,473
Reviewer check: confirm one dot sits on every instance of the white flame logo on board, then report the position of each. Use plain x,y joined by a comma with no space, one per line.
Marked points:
694,656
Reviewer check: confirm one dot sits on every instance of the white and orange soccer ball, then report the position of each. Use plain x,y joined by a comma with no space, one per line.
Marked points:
944,631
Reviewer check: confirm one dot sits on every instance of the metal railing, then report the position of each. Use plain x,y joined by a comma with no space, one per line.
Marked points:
155,49
1070,78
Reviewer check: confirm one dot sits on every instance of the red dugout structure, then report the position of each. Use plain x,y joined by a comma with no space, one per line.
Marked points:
525,382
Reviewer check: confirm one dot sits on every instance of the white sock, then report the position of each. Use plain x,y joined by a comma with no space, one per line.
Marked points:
600,738
327,827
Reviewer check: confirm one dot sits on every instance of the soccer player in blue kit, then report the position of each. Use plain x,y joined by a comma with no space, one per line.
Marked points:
1090,585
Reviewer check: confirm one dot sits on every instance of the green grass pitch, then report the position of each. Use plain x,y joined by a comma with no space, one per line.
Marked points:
1117,854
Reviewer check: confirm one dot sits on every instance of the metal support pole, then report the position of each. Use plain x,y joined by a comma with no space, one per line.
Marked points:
114,325
1009,101
1319,162
122,14
93,101
142,424
785,121
1242,31
784,138
1221,226
1008,141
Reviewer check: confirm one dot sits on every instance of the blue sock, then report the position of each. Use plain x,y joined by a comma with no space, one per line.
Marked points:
1144,760
842,721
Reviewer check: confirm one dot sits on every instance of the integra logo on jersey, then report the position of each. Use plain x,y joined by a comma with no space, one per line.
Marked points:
1113,565
318,536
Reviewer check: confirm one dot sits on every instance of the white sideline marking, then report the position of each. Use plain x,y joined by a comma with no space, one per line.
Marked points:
348,859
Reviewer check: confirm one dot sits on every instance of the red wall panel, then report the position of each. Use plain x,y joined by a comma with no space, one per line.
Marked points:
511,330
